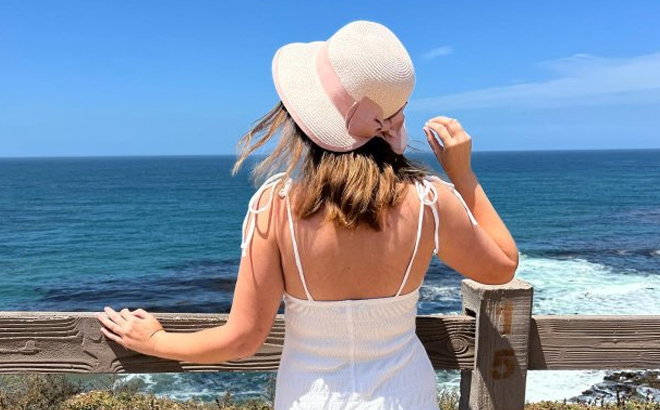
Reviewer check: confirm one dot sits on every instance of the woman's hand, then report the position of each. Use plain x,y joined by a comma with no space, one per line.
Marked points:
137,330
454,153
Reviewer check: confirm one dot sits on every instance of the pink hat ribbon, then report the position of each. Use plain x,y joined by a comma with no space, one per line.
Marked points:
364,118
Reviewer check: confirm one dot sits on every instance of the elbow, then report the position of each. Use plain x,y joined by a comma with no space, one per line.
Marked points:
246,341
243,349
507,276
239,349
501,275
250,345
499,278
508,271
249,351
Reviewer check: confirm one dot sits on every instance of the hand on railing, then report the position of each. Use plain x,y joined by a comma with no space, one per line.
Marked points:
137,330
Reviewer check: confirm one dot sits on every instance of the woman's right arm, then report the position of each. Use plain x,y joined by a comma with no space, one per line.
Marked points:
485,252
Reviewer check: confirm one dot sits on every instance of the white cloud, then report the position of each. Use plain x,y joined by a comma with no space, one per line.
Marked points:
438,52
580,80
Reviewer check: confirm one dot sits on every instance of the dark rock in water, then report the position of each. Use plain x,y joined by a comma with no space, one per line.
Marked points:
624,385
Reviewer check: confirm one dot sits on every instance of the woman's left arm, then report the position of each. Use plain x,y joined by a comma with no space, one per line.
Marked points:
257,298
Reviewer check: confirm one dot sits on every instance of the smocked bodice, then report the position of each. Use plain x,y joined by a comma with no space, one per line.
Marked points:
368,320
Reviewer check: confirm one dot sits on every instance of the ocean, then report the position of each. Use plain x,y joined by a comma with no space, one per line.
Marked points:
163,234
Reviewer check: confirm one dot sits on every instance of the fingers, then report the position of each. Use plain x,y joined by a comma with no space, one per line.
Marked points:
433,142
140,313
451,124
113,320
442,131
126,314
454,128
112,336
116,317
107,322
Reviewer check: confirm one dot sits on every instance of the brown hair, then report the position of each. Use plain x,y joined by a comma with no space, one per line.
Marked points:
356,186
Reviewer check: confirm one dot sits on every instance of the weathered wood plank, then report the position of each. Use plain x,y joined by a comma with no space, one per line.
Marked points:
594,342
503,315
67,342
71,342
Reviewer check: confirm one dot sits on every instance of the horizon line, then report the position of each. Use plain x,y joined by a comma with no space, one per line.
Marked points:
266,154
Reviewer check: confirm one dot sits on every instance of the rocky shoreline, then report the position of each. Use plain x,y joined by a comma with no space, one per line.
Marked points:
623,385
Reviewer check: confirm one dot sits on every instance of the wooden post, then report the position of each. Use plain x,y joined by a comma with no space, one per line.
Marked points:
503,315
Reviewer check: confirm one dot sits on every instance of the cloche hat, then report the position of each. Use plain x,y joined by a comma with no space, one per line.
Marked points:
344,91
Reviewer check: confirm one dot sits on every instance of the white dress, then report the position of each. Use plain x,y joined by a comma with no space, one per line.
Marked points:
360,354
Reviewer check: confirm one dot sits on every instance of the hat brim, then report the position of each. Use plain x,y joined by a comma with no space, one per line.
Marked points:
298,85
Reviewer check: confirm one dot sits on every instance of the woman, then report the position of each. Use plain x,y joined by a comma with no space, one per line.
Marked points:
348,241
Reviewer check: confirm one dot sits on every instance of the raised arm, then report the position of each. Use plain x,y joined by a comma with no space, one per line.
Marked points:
485,252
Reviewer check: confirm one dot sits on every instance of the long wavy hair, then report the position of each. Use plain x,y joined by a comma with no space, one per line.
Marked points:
355,186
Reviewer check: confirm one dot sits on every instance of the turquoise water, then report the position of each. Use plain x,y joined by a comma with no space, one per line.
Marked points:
163,234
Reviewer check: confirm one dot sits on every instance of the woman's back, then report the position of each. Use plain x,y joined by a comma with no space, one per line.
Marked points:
341,264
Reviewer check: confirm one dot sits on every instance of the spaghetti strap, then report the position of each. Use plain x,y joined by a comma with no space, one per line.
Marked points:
423,190
285,192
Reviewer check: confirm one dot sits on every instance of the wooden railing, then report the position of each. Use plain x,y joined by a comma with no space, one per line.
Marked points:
493,343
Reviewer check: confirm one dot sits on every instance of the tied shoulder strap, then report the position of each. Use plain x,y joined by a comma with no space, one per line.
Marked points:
423,189
270,183
452,188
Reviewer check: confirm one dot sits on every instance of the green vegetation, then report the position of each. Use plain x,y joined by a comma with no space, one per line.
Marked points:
58,392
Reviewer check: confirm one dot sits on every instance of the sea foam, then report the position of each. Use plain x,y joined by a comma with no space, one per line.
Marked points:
578,286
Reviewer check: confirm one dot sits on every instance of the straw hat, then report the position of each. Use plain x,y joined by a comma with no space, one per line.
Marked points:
344,91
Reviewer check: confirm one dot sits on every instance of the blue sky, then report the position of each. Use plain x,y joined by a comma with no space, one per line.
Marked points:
168,78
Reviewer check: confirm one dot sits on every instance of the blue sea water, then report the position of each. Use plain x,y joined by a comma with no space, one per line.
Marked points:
163,234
